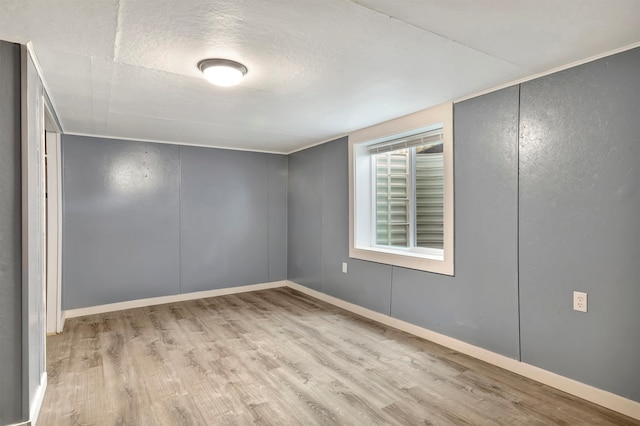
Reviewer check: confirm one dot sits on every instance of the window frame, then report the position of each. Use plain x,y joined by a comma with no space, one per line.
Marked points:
361,245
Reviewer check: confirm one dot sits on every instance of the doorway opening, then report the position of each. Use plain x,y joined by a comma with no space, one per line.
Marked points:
53,224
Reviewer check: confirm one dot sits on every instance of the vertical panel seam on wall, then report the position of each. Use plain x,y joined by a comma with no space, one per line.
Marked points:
179,219
518,224
391,290
322,239
62,210
286,218
268,222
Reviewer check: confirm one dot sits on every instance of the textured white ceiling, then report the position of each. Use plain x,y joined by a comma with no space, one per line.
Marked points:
317,68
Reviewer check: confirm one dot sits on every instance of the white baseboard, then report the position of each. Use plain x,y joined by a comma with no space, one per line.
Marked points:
597,396
36,404
140,303
63,317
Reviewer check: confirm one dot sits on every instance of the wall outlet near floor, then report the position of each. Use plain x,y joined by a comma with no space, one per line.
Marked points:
579,301
344,267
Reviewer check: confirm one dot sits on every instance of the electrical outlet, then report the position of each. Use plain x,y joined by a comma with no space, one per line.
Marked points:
579,301
344,267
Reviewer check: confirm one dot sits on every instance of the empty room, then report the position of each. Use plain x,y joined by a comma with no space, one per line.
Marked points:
337,212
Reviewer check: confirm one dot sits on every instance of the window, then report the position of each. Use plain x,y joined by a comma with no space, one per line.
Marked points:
401,192
409,187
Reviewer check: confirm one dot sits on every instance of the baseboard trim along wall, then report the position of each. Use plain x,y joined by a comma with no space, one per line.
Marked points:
63,317
38,399
140,303
597,396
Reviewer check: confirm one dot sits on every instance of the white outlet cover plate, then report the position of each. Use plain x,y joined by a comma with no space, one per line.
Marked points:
579,301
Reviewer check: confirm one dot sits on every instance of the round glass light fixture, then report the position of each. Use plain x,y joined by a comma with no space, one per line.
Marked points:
222,72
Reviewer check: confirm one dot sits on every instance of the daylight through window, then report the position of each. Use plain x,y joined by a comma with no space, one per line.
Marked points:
409,190
401,191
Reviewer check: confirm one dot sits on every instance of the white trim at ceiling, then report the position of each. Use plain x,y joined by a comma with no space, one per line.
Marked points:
122,138
53,110
549,72
317,143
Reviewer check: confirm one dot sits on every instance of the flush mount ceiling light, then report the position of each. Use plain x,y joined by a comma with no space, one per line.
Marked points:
222,72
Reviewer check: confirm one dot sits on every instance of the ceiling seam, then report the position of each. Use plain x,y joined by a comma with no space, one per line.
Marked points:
419,28
93,93
116,41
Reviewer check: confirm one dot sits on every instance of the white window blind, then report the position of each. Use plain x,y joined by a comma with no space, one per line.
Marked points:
429,209
425,139
409,191
393,207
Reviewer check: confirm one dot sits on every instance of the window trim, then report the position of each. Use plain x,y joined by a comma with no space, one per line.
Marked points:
409,124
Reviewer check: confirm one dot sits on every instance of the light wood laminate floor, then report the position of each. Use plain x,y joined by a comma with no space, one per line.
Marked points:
277,357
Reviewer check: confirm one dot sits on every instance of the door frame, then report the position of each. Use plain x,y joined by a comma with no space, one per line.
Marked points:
54,313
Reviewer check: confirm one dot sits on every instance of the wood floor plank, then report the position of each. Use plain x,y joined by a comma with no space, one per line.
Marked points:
278,357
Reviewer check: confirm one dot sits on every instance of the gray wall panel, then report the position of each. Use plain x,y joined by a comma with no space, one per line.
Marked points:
366,283
335,219
580,222
10,237
305,218
277,216
120,229
147,220
480,304
223,218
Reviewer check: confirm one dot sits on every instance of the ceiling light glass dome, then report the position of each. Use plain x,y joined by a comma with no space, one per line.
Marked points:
222,72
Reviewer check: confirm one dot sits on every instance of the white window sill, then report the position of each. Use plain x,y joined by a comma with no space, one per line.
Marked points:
405,252
404,259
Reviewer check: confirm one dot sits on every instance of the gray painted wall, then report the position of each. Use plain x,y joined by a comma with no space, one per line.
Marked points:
277,179
305,217
580,222
144,220
232,205
120,221
10,237
319,230
537,216
479,304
